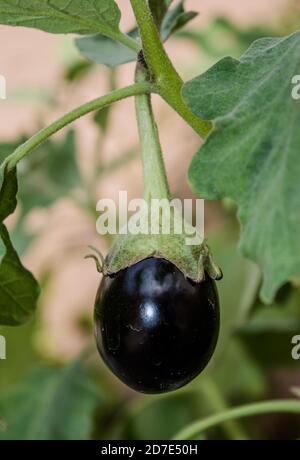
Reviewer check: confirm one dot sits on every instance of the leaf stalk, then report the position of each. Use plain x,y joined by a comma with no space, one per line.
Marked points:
95,104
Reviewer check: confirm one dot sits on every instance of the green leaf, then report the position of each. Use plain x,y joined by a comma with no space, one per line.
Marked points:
252,154
8,192
47,176
50,173
175,19
103,50
54,403
158,9
8,183
60,16
19,290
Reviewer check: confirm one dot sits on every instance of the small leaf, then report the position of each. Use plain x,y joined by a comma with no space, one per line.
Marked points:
59,16
252,154
54,403
158,9
175,19
19,290
103,50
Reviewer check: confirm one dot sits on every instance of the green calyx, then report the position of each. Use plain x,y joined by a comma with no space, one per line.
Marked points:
194,261
160,229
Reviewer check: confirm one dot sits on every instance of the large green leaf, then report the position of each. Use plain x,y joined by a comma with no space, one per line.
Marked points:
54,403
61,16
18,288
252,154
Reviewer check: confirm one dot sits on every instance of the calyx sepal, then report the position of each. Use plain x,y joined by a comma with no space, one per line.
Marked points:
193,260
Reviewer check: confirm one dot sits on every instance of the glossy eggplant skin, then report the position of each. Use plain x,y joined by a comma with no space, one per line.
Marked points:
155,329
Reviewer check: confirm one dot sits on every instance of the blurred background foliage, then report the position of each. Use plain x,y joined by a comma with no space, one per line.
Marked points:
43,396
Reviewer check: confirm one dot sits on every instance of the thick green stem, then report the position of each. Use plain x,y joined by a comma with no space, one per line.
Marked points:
96,104
168,82
155,179
194,430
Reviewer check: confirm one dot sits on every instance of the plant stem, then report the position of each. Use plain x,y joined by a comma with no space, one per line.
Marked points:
155,178
193,430
96,104
169,84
